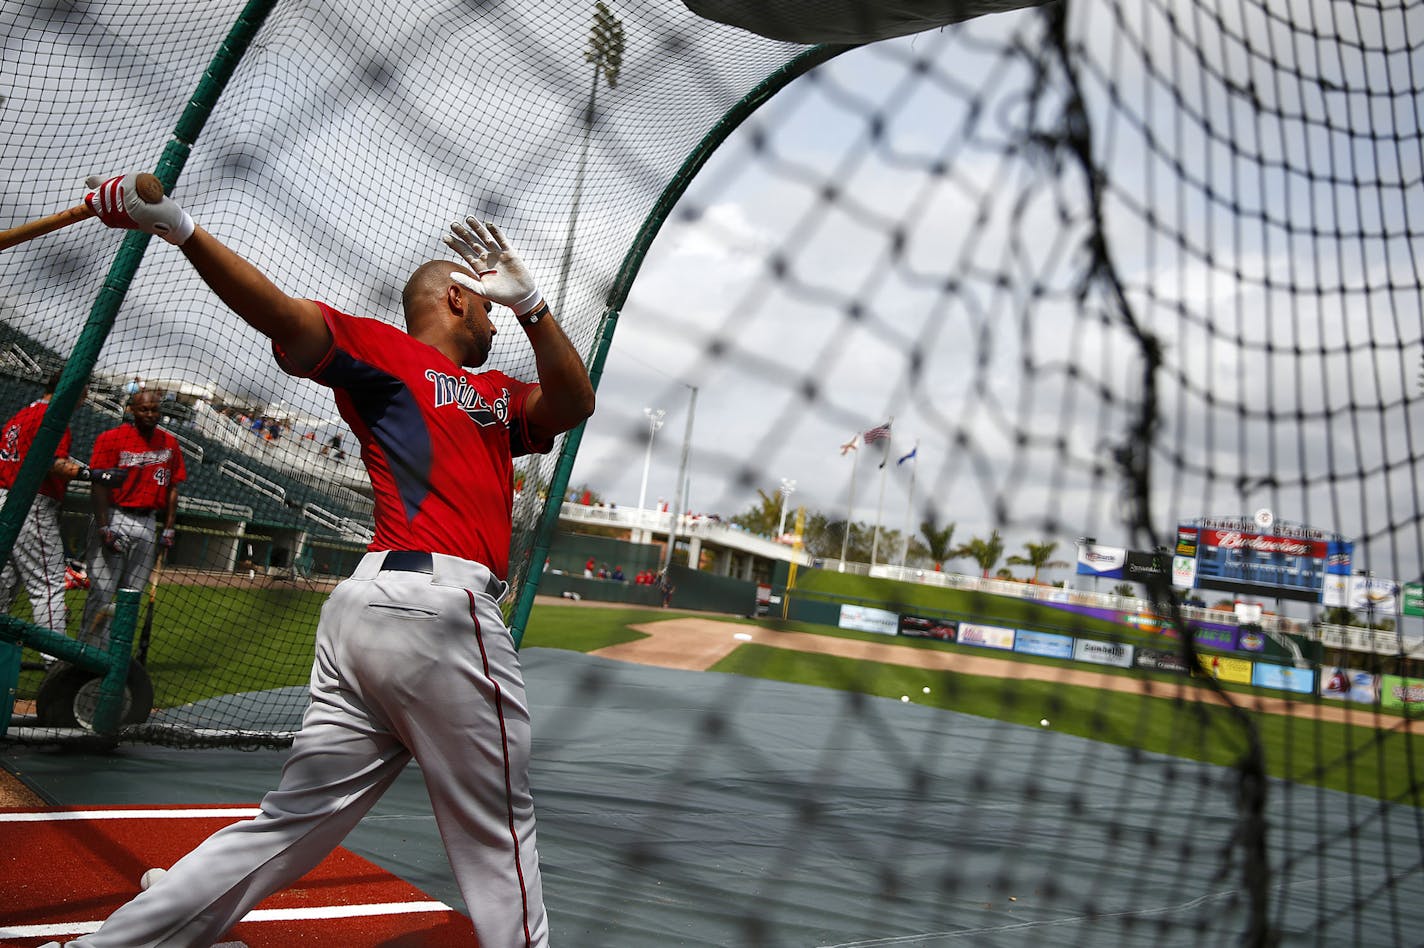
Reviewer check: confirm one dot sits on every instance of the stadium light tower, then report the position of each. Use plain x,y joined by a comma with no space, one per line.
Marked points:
655,421
788,487
605,52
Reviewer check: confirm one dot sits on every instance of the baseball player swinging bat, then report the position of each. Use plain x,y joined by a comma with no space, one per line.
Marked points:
149,188
141,656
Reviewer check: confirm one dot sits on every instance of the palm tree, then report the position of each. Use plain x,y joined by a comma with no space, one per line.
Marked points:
984,552
1039,557
761,517
938,541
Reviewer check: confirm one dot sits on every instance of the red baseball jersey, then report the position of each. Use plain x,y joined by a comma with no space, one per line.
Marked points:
155,463
15,440
438,442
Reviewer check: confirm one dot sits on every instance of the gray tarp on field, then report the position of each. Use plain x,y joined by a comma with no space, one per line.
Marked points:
681,808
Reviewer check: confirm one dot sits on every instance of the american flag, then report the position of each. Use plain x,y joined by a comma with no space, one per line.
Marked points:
878,433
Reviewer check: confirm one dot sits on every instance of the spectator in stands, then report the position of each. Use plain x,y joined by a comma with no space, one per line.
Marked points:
333,448
133,387
123,551
37,559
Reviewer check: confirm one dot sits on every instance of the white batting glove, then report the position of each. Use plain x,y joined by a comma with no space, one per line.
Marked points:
117,204
500,276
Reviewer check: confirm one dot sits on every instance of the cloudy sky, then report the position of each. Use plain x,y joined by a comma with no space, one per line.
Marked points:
901,233
1267,252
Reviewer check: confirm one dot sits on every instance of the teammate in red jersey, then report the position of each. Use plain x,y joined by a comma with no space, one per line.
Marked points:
125,546
37,559
413,658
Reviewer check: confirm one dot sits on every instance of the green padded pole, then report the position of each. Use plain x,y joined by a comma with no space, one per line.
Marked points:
96,330
56,418
108,710
618,295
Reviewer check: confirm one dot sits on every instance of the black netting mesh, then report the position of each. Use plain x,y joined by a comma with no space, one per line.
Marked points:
1118,267
346,139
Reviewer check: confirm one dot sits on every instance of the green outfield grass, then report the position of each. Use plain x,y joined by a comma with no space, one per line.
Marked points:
1381,763
214,641
209,641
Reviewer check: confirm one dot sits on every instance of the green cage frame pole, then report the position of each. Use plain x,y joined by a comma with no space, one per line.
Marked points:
85,355
618,295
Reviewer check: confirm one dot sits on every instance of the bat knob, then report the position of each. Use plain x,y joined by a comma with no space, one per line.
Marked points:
148,187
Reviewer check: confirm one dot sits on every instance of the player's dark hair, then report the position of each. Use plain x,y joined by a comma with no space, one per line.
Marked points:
52,382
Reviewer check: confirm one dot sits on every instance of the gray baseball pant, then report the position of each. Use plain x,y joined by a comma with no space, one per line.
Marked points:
110,571
408,665
37,560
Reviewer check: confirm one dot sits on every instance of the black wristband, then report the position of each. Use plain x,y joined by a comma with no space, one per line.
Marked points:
534,315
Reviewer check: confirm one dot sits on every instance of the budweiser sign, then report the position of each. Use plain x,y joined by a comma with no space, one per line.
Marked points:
1287,546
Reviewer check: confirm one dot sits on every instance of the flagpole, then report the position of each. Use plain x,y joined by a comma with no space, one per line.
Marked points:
850,509
910,504
880,505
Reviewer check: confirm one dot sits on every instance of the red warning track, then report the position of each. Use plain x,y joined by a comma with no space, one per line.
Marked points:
64,869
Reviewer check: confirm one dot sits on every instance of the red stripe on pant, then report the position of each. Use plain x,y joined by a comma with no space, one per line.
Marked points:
504,755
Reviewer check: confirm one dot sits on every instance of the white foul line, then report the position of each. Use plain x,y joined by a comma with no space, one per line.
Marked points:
193,814
257,915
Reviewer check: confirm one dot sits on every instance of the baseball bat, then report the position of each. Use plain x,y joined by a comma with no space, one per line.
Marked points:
142,656
149,188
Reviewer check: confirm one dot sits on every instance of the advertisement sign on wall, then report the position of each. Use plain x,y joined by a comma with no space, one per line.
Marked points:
1186,542
1046,644
1349,684
1154,659
1142,567
1414,599
1103,653
1399,693
1105,561
988,636
924,628
865,619
1214,636
1251,640
1367,593
1237,670
1283,678
1335,590
1184,572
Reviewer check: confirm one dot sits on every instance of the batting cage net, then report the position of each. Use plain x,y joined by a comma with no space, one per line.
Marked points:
1090,333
